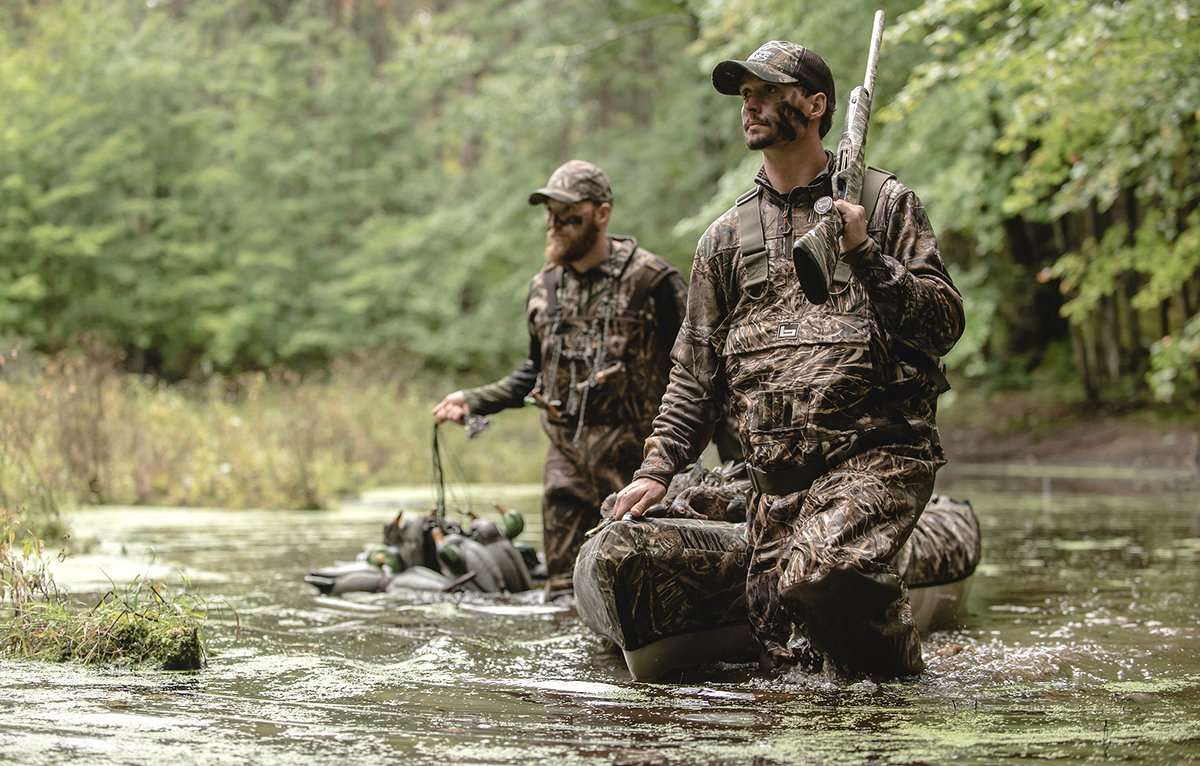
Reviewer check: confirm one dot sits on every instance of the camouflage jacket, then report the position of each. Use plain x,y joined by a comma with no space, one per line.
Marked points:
802,381
599,341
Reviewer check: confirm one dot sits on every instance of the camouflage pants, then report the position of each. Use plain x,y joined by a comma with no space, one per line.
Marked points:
823,560
576,479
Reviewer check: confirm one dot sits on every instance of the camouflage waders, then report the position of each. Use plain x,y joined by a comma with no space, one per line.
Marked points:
836,544
578,475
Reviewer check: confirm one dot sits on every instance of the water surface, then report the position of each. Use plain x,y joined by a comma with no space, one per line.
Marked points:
1081,641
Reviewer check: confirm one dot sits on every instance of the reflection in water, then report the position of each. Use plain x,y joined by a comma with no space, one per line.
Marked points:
1082,641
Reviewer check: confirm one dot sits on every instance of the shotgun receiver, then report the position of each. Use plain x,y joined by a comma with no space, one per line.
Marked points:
816,253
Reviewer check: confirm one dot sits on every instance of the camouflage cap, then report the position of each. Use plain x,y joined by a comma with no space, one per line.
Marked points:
777,61
575,181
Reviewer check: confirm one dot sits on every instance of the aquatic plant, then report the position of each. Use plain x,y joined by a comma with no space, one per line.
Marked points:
134,625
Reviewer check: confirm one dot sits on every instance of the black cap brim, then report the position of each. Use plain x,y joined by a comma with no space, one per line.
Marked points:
540,196
728,75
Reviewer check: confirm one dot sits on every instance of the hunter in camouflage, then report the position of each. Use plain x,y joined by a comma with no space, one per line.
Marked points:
602,315
835,402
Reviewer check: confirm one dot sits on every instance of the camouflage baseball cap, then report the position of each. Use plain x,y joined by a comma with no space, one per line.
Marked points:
777,61
575,181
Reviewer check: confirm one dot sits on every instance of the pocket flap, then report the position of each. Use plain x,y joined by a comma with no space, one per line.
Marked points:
817,328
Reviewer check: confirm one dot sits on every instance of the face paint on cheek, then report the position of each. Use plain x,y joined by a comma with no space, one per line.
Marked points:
791,122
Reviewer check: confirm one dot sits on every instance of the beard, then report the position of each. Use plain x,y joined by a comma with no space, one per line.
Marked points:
562,249
784,127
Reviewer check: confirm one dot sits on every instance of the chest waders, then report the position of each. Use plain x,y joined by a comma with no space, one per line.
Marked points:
755,265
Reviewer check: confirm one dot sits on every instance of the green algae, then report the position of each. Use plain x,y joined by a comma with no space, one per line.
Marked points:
1111,544
1156,686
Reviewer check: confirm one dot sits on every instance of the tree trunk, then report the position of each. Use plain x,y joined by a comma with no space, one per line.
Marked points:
1111,333
1132,284
1092,353
1079,347
1133,323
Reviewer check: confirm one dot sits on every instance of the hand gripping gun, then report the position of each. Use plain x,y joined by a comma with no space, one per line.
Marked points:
816,253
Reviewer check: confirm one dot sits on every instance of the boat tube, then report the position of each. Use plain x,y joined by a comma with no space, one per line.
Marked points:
671,592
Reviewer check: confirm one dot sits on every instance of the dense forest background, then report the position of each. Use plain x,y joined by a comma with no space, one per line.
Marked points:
236,185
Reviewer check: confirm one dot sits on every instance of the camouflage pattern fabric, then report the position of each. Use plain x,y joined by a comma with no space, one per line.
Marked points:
807,382
832,546
575,181
781,62
577,475
608,320
603,321
638,582
718,494
944,547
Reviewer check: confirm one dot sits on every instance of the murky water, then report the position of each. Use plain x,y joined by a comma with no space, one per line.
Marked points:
1081,641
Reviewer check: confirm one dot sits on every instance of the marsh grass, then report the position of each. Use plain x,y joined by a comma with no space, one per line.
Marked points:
79,430
135,625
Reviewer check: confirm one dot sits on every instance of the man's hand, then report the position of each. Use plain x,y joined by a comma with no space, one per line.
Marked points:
637,498
854,224
454,407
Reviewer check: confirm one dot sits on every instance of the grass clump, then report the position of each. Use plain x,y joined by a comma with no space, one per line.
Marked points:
133,626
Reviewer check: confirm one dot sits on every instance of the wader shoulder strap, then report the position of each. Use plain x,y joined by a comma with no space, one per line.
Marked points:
550,279
752,242
752,238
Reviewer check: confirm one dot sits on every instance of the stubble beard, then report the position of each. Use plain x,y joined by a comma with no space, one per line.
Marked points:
783,128
561,250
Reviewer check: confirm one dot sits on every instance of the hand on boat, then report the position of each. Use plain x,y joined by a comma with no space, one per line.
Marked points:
453,407
638,498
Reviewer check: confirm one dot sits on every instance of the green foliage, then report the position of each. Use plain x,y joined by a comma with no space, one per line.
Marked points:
1175,366
229,186
132,626
136,626
1080,115
242,185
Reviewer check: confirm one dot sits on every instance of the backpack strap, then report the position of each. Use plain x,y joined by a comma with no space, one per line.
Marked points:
873,183
752,242
931,367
